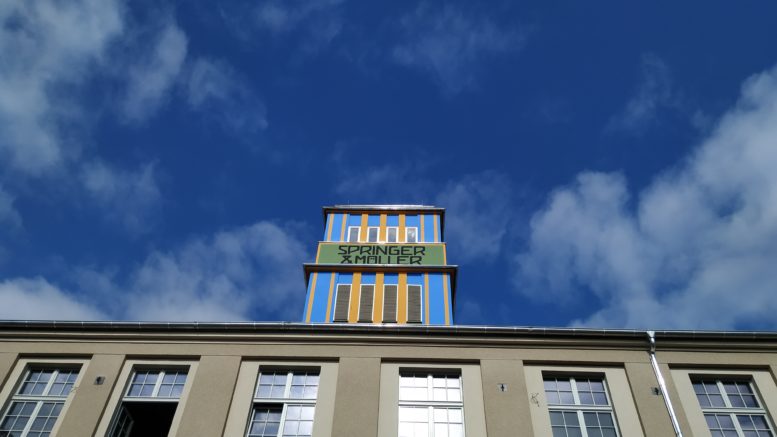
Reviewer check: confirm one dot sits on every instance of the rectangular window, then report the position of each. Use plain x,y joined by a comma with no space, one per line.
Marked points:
365,303
372,234
342,302
149,402
411,235
430,404
731,407
284,404
35,407
579,406
353,234
389,303
391,234
414,303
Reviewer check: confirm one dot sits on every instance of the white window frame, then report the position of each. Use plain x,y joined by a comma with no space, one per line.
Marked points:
580,408
471,392
11,392
376,229
396,234
728,409
125,377
246,388
761,380
429,403
358,234
155,394
407,232
285,401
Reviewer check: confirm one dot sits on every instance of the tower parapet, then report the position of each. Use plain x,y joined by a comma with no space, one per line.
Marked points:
381,264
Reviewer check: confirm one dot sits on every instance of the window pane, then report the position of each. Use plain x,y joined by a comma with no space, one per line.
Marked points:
391,235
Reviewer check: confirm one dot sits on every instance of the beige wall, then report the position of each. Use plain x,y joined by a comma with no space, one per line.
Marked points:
358,387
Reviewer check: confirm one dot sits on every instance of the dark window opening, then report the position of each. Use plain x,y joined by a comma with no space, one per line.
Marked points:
144,419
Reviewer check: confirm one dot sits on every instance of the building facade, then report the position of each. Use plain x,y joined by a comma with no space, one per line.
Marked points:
350,369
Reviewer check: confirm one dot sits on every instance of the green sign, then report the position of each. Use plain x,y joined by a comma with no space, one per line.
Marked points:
405,254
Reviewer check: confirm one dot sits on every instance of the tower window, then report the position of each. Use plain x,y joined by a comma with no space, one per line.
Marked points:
342,302
411,235
389,303
391,234
414,303
353,234
372,234
366,302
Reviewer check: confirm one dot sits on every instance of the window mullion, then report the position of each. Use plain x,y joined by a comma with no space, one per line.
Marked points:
50,382
33,416
157,384
282,424
736,424
575,396
430,420
723,394
581,420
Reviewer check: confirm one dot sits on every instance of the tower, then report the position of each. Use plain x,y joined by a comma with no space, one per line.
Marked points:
381,264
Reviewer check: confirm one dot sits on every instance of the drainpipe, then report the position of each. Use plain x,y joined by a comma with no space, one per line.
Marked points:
662,384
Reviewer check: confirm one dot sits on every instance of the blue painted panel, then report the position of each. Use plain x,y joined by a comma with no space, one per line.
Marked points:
354,220
373,220
436,302
415,278
368,278
391,278
413,221
450,298
439,229
337,227
392,220
343,278
428,236
320,298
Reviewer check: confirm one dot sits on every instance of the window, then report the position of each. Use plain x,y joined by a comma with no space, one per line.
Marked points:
38,402
353,234
414,303
372,234
411,235
391,234
389,303
149,402
579,406
731,407
366,302
284,404
342,302
430,404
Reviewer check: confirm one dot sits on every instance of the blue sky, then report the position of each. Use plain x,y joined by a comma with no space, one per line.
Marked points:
605,164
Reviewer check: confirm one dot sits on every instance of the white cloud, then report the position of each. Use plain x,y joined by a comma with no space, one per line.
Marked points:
48,45
696,249
214,88
150,79
655,92
36,299
9,216
319,21
450,44
129,198
250,272
480,208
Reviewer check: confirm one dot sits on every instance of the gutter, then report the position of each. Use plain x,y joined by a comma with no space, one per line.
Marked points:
662,383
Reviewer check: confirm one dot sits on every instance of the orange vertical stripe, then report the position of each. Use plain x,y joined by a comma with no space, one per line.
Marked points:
382,229
318,252
353,313
330,219
401,230
421,237
426,293
329,299
434,222
402,305
363,232
377,309
312,294
445,298
344,237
